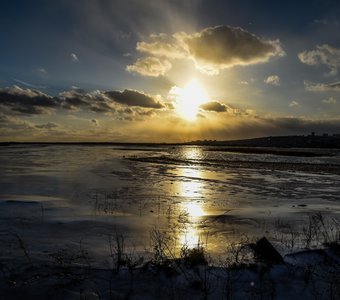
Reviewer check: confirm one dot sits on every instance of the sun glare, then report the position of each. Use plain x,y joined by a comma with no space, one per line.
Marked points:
189,100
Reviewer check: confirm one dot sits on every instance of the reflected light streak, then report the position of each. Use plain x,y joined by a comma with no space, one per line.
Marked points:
194,209
191,188
189,238
193,153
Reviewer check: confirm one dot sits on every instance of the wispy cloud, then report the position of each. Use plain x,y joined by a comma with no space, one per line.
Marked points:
329,100
322,55
74,57
322,87
29,84
42,70
294,104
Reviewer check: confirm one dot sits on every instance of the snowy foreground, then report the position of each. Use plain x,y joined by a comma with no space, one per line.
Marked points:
313,274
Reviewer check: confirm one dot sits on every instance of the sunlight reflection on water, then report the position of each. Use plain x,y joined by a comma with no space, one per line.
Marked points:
191,189
192,153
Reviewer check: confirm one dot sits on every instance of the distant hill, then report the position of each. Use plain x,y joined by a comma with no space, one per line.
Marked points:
293,141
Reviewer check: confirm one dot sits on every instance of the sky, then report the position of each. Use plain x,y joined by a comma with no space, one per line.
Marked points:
168,70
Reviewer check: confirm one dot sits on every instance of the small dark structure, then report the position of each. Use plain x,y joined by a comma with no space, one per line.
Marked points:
266,252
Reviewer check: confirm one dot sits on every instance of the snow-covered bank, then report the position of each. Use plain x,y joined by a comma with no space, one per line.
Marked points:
71,274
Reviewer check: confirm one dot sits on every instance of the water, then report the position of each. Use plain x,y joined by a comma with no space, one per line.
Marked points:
55,196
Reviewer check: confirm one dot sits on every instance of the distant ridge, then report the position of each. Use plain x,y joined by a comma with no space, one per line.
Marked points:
290,141
293,141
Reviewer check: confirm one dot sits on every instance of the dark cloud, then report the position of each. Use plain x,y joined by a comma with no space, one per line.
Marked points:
27,101
214,106
95,122
94,101
220,47
16,100
134,98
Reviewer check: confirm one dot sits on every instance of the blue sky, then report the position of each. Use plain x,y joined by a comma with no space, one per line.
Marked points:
118,70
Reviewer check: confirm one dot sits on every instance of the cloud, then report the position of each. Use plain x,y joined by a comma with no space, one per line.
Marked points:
323,55
214,106
322,87
12,123
162,45
29,84
294,104
95,122
329,100
26,101
15,100
217,48
212,50
134,98
150,66
48,126
74,57
42,70
95,101
273,80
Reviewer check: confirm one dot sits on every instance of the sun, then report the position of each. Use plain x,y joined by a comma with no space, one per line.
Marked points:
189,99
